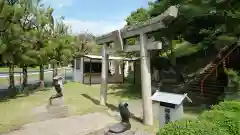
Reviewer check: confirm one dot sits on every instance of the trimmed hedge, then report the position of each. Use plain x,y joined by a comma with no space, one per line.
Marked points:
192,127
223,119
232,106
226,120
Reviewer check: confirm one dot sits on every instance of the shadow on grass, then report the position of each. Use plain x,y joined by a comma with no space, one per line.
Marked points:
130,91
110,106
5,95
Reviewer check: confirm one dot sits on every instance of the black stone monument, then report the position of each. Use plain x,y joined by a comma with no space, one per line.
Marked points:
124,125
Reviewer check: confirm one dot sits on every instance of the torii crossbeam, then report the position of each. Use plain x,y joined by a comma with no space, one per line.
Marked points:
141,30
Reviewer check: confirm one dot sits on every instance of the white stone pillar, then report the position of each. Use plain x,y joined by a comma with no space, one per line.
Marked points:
131,66
126,69
120,68
117,71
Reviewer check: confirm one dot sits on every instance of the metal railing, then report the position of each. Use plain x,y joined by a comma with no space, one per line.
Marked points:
215,68
33,77
219,53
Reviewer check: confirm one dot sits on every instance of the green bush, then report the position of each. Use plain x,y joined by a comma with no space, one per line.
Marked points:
223,119
226,120
232,106
191,127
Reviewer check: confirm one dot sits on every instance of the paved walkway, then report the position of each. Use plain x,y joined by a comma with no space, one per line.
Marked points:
75,125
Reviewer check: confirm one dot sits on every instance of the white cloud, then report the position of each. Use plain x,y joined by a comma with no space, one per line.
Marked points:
58,3
94,27
78,25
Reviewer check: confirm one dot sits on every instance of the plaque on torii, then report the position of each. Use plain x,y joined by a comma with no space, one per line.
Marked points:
119,44
118,41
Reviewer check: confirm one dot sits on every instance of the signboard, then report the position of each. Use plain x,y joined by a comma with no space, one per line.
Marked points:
167,115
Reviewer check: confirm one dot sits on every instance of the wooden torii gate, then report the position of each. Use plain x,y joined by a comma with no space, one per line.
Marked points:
118,37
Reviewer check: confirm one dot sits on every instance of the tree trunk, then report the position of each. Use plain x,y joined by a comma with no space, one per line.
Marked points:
12,88
25,76
25,80
41,77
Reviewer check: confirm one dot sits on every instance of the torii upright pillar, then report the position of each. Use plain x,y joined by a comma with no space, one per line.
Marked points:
146,80
104,75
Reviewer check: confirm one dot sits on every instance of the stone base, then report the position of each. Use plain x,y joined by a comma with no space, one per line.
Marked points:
58,111
129,132
120,127
58,101
42,113
106,131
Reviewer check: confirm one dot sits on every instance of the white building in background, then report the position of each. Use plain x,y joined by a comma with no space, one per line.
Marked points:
91,65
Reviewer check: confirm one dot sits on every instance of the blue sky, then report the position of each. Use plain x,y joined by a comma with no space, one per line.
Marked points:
95,16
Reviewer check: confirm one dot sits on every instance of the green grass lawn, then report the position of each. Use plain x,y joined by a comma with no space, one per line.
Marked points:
16,112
